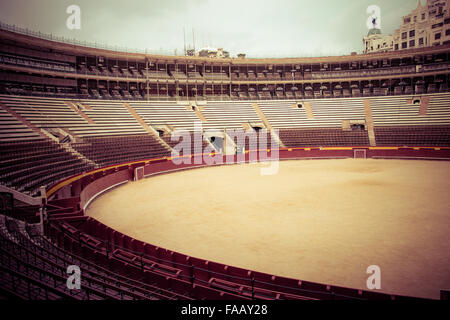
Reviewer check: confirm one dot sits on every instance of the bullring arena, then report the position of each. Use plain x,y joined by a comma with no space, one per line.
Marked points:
355,178
321,220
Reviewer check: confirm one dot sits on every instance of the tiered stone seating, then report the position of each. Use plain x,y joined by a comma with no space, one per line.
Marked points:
12,129
427,136
114,136
178,74
243,141
140,272
167,138
264,95
243,95
327,113
323,137
221,115
111,118
166,113
105,94
216,76
155,74
44,112
108,117
28,165
32,268
400,111
118,149
194,75
126,72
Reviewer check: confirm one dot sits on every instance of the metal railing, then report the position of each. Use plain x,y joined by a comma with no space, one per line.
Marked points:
250,282
95,45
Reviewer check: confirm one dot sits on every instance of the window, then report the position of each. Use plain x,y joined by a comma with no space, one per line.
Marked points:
437,25
423,16
447,32
421,42
357,127
396,46
404,35
437,36
447,21
415,19
407,20
404,45
412,44
412,33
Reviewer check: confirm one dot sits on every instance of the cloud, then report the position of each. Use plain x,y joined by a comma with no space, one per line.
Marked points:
281,28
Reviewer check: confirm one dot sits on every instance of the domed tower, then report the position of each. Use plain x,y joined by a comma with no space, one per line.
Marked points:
376,42
374,31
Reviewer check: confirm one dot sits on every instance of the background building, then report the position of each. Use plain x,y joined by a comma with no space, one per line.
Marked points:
427,25
208,52
376,42
213,53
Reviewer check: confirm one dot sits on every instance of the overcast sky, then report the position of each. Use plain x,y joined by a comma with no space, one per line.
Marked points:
259,28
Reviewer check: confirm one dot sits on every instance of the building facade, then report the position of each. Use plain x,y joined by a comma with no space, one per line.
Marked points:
427,25
213,53
376,42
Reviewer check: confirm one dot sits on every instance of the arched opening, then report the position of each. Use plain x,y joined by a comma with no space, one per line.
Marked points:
358,127
160,133
217,142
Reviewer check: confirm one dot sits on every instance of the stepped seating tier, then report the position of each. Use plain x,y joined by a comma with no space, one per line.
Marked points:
27,156
28,165
110,150
323,137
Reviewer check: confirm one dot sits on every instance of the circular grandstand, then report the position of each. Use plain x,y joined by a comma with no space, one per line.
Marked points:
78,122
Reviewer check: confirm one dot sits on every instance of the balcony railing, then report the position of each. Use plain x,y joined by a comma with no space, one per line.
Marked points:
95,45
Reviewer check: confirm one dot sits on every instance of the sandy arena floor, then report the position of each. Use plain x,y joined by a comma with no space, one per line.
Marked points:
321,220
